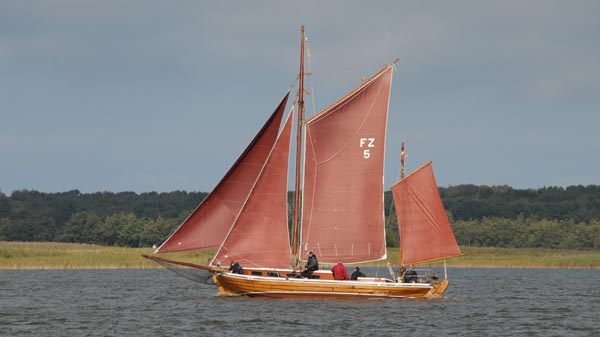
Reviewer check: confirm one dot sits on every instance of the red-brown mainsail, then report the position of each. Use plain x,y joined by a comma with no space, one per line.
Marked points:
343,216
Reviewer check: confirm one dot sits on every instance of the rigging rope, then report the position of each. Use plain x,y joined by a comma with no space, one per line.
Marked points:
312,96
193,274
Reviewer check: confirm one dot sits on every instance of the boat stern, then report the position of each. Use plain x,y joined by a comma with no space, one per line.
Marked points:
437,289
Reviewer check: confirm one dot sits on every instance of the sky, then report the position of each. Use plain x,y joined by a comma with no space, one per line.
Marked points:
146,95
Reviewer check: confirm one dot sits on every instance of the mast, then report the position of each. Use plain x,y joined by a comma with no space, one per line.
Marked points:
299,131
402,155
402,175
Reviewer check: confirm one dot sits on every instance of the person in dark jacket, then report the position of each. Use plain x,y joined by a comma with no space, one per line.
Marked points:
357,273
410,276
236,268
311,265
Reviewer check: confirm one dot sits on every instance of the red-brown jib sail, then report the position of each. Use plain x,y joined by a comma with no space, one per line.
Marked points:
260,237
208,225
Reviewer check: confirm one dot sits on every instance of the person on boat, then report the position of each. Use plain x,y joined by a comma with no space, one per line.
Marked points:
401,273
236,268
356,274
410,276
339,272
311,265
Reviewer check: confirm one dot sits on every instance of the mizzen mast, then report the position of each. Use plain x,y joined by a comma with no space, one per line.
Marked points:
402,155
402,175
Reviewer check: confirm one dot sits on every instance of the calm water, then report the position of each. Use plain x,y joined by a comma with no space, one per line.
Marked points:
479,302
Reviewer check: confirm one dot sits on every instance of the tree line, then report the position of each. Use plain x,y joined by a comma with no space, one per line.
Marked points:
486,216
120,219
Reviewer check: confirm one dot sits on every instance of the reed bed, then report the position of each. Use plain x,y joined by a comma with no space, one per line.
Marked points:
51,255
528,258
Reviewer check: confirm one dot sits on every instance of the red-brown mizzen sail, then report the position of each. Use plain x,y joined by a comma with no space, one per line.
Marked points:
425,233
260,236
343,175
210,222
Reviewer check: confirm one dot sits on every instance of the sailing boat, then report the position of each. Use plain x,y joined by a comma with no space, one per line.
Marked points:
339,214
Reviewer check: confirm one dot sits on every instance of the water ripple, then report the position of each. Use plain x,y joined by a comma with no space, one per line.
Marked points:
481,302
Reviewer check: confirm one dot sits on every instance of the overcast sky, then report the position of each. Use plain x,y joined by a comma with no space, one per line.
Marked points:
164,95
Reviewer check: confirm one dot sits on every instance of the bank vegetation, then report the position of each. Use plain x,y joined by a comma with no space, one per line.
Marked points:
52,255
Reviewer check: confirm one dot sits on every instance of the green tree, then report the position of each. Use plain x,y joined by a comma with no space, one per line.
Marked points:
546,234
16,230
155,231
392,237
81,228
130,233
581,236
5,208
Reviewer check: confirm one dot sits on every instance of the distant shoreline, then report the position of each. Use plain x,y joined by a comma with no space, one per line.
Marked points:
53,255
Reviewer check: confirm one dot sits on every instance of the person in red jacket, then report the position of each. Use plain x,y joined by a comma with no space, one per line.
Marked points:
339,272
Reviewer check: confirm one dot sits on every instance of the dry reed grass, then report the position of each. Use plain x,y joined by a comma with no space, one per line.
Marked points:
52,255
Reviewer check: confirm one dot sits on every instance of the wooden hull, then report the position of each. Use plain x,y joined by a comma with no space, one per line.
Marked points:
283,283
279,287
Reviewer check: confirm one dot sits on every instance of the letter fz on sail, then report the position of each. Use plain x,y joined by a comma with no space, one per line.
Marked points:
244,220
367,143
